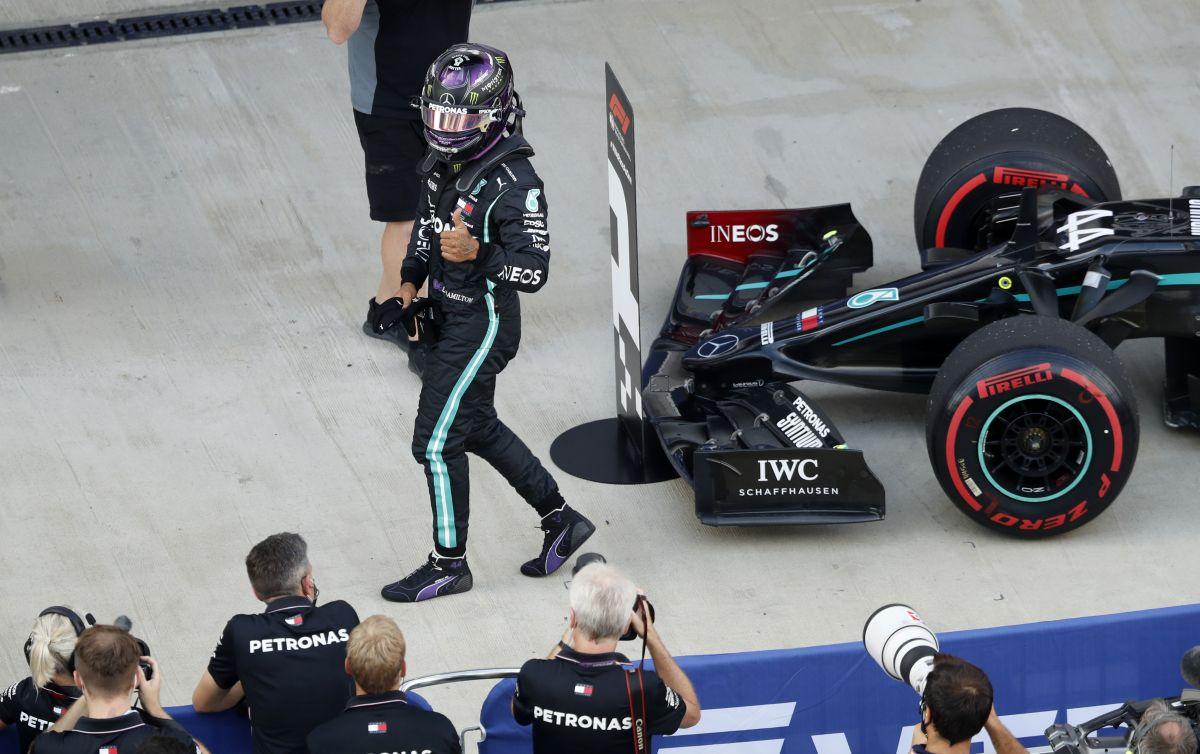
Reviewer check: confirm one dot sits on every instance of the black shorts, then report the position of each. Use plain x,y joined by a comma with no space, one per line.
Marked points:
392,148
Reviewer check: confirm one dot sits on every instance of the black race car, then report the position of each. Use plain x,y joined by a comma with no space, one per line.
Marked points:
1033,270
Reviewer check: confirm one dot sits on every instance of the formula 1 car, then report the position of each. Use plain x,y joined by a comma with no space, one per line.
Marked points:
1033,271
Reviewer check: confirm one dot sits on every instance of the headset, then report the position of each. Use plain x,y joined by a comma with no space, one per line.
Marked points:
1144,729
77,623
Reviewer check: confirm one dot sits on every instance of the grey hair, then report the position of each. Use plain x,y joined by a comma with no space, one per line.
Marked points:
1165,731
277,565
602,598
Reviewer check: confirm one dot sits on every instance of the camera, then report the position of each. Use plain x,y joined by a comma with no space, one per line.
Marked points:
122,622
1116,730
587,559
899,642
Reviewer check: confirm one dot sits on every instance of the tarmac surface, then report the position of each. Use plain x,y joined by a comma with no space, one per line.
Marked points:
185,259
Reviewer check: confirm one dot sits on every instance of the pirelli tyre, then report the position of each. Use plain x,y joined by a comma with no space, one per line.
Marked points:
1001,152
1032,427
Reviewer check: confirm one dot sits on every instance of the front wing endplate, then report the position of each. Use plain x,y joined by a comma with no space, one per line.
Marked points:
785,486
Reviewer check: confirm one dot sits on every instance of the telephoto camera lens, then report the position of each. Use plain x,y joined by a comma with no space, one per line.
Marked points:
899,642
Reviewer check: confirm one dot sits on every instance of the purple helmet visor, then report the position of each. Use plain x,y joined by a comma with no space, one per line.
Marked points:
456,120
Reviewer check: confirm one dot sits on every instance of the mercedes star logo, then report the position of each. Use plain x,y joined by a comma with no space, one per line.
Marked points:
717,346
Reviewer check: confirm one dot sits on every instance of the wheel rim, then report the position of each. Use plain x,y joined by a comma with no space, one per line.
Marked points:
1033,444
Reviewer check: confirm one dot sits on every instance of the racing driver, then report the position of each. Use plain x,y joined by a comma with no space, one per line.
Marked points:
481,239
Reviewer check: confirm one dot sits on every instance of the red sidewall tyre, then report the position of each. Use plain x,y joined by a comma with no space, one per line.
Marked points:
1001,152
1032,429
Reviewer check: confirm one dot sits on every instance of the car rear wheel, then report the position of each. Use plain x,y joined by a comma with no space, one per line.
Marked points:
1032,427
1001,152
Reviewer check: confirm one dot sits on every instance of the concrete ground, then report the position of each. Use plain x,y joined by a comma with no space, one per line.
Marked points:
185,258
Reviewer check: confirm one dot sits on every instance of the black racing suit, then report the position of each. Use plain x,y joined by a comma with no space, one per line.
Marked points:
504,207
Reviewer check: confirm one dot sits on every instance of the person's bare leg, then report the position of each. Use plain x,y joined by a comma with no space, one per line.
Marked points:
392,250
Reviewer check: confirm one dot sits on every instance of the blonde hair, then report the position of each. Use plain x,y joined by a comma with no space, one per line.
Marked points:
602,599
51,642
375,654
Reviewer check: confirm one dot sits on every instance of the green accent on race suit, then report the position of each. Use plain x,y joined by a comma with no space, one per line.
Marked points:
1087,461
443,495
487,215
1175,279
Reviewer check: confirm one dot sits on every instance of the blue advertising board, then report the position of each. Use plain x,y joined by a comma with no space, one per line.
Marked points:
836,700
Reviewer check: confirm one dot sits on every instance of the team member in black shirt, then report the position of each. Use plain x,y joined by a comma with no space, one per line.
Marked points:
287,662
391,43
107,670
379,718
34,704
584,699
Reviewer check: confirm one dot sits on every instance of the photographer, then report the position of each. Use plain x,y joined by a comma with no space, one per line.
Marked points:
379,717
108,668
956,705
584,699
288,661
35,703
1163,731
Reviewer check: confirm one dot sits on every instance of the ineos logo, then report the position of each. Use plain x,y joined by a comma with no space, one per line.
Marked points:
789,469
743,233
717,346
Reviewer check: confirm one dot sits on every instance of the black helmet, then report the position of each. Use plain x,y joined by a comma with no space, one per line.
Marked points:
468,101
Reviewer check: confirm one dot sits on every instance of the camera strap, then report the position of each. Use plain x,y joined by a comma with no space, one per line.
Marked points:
636,690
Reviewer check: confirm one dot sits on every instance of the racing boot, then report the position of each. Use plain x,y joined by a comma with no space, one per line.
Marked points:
383,321
438,577
566,531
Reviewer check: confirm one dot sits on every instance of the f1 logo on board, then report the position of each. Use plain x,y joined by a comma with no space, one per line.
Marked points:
788,469
618,111
743,233
1018,378
1077,235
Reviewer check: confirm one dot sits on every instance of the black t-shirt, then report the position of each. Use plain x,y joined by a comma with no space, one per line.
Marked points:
291,662
384,723
580,703
391,51
115,735
34,709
